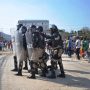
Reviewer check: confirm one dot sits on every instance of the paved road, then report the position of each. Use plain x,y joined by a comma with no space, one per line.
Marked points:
2,59
77,77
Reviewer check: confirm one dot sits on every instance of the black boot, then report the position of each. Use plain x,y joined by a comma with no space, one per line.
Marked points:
19,73
33,70
36,71
53,75
62,75
26,66
15,64
20,69
32,75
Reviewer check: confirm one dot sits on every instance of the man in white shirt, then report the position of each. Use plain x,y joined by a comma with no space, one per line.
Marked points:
78,45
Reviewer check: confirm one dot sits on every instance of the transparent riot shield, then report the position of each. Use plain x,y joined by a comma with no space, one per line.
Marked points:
29,42
19,44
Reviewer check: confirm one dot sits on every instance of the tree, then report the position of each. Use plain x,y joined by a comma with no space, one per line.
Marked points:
85,31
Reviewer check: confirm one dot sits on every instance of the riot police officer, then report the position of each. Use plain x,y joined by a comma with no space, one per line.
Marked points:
38,45
33,58
21,49
45,56
56,52
14,46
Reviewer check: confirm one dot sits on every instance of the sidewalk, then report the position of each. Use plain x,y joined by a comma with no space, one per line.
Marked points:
76,78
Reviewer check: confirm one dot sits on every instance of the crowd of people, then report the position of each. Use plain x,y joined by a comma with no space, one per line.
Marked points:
5,45
77,45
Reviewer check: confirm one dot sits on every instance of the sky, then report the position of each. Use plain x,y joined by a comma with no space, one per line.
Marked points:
66,14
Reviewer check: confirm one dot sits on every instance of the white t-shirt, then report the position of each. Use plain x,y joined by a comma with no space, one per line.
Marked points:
78,43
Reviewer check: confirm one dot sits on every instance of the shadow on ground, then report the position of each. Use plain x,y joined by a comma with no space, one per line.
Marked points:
78,71
70,81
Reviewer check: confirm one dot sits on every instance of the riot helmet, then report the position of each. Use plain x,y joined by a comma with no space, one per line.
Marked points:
19,26
40,29
33,28
54,29
23,29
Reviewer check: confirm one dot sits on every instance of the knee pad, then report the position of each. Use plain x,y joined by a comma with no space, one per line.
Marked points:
33,64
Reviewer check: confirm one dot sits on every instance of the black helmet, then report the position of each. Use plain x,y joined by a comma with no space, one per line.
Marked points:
54,29
23,29
19,26
40,29
33,26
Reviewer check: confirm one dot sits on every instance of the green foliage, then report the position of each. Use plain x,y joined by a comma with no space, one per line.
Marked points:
85,31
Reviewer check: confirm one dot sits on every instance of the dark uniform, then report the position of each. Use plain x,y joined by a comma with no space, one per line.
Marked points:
56,52
45,56
38,40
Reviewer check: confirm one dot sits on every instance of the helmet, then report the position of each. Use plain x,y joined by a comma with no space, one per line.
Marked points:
23,29
19,26
33,26
40,29
54,29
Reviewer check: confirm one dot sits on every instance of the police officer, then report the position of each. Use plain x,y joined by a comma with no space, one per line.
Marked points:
56,52
38,49
15,57
34,54
22,49
45,56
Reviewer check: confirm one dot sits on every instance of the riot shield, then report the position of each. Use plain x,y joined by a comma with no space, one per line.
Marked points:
19,44
29,43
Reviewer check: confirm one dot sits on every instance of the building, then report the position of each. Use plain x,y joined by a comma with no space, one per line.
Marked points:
43,23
